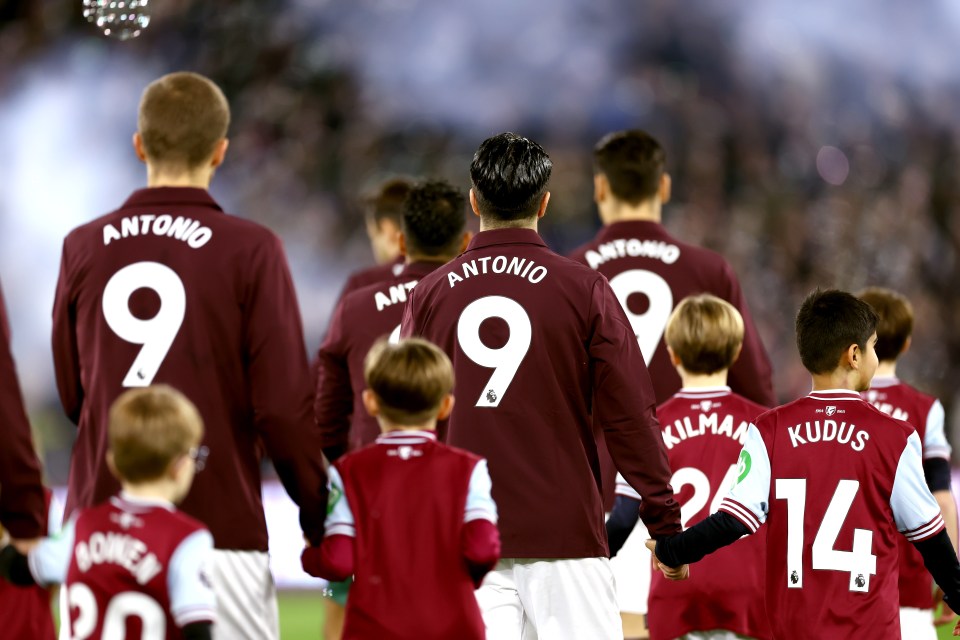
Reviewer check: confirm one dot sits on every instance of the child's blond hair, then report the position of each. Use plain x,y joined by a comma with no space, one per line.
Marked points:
149,429
410,380
705,333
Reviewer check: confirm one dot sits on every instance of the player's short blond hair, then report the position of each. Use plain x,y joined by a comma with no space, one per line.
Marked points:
410,380
149,429
705,333
896,320
181,119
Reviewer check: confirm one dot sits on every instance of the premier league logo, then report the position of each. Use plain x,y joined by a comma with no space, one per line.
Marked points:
831,410
794,578
491,395
860,580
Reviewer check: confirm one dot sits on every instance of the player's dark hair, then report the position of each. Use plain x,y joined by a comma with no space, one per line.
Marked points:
633,163
149,429
434,219
181,119
827,324
896,320
510,175
386,201
410,379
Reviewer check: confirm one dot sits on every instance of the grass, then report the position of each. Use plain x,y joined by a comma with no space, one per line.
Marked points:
301,616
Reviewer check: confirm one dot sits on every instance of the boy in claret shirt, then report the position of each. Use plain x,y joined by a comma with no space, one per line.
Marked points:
925,414
411,519
835,480
704,427
134,565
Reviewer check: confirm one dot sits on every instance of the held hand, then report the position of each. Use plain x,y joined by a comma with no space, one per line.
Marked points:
24,546
671,573
946,615
956,629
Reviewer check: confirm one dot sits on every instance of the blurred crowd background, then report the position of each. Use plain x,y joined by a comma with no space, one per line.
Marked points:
812,144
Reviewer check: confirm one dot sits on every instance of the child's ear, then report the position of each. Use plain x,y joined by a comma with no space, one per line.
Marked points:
370,403
674,358
736,356
446,407
851,357
906,345
111,465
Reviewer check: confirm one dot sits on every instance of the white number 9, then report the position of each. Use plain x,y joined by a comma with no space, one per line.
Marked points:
156,334
504,361
647,326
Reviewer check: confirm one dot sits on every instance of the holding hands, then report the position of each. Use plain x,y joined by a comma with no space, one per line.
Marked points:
673,573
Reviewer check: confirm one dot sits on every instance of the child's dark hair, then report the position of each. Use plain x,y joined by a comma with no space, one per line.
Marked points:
827,324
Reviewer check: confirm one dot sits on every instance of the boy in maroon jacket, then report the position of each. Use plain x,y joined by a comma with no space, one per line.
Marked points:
411,519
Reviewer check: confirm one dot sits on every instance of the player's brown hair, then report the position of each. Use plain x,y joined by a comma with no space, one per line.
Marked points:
896,320
149,429
705,333
410,379
633,163
182,117
386,201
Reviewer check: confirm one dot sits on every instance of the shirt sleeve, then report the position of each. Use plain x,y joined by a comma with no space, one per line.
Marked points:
749,499
22,502
333,405
480,504
66,355
935,443
623,409
623,488
280,384
915,510
339,516
50,559
191,592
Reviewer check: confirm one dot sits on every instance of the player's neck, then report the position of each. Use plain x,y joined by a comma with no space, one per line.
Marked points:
399,428
494,225
696,380
158,490
199,179
886,369
413,257
615,211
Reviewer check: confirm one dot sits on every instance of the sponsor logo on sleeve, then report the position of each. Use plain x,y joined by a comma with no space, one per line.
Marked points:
743,466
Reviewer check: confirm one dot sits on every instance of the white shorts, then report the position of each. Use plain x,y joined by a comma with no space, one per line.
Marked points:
917,624
632,567
246,596
547,599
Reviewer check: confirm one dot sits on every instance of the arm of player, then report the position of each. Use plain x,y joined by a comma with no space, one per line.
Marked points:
22,504
751,375
333,559
742,511
66,356
280,383
936,467
47,563
623,407
623,518
480,540
192,600
408,322
333,404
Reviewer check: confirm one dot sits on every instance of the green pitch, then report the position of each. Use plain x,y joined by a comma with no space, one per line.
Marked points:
301,616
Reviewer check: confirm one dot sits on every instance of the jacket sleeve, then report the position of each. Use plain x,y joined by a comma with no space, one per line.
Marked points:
66,358
334,400
22,504
623,408
280,389
751,375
